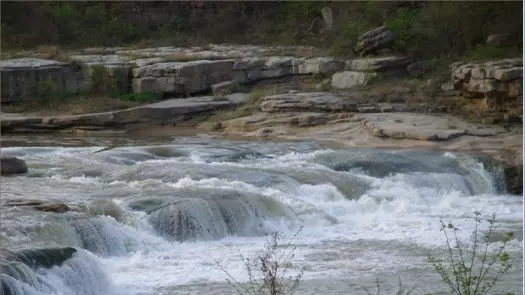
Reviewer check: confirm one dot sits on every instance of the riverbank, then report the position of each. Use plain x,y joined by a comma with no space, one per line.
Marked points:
253,92
506,148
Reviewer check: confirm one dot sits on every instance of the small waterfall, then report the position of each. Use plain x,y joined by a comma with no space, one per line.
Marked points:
52,271
229,213
101,235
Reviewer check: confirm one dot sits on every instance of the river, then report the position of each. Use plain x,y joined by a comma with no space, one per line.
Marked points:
156,216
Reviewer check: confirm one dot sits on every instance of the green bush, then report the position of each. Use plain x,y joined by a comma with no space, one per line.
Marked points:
346,38
402,24
465,275
470,275
49,93
487,52
102,83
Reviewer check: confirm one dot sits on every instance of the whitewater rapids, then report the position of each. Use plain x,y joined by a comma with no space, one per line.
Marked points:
156,218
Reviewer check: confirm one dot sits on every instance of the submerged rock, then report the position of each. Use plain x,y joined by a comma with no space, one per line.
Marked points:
12,165
17,268
213,216
35,258
514,179
57,208
39,205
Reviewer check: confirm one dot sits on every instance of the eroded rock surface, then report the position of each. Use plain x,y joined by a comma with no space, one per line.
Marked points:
25,78
493,90
374,40
423,127
167,70
363,71
309,101
483,79
161,112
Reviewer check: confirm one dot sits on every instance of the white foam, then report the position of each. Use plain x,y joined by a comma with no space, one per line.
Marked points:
402,208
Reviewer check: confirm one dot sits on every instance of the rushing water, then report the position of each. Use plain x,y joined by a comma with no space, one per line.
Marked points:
154,218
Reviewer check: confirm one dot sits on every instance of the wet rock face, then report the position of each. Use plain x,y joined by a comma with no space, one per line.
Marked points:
17,265
35,258
514,179
12,165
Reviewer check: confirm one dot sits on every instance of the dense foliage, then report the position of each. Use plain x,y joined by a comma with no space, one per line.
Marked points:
440,29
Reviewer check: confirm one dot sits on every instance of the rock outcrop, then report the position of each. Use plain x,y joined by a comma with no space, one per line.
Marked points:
502,77
373,41
171,110
12,165
310,101
28,77
181,77
167,70
423,127
494,88
363,71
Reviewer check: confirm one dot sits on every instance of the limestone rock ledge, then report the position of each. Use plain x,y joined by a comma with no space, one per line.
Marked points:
484,79
162,112
168,70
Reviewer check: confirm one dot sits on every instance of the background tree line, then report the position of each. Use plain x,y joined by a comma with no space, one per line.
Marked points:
440,29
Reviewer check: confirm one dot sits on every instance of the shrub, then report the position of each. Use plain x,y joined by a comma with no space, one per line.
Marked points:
468,275
103,83
402,24
487,52
400,291
349,32
48,93
424,29
267,272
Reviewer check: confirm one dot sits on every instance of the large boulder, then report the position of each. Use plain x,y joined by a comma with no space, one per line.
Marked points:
373,41
12,165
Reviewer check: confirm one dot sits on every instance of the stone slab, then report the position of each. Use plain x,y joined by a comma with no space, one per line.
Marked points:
308,101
